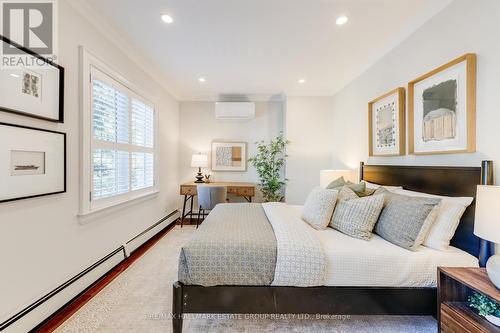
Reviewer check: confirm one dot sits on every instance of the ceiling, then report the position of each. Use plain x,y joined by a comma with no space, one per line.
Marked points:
262,47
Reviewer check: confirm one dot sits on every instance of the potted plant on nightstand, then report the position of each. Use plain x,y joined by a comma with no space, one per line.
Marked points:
486,307
269,163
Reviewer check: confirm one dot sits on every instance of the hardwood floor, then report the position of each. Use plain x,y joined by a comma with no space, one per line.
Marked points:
55,320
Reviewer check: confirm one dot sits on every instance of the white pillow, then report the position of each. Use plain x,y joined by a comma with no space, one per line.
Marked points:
319,206
450,211
377,186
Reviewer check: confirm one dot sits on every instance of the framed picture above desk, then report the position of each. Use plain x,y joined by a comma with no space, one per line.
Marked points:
188,190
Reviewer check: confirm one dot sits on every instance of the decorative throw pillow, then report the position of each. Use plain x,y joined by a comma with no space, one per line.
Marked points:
345,193
406,221
357,217
366,193
357,188
449,213
319,206
337,183
360,188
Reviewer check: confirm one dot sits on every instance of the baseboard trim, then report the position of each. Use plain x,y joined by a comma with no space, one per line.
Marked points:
49,296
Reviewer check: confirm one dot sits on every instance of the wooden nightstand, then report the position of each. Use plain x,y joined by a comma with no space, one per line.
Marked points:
455,285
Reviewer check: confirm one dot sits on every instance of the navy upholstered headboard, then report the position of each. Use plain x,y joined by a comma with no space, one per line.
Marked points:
448,181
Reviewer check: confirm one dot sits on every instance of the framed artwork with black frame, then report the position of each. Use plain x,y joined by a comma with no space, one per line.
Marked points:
32,162
35,91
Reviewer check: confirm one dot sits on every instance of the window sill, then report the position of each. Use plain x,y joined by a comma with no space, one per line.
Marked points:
114,206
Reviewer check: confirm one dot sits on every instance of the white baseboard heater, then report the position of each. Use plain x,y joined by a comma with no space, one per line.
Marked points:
41,309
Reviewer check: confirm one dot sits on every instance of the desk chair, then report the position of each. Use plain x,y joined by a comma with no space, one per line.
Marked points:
208,197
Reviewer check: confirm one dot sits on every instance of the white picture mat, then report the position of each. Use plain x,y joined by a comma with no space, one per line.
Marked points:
459,73
16,138
243,146
23,157
386,150
13,98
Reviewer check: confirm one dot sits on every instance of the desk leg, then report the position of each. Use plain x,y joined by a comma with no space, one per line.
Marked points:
183,210
191,211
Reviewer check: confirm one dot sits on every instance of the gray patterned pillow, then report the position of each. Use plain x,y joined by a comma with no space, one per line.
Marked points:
357,217
319,206
406,221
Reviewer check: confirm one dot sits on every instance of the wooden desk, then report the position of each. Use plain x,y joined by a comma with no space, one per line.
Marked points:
240,189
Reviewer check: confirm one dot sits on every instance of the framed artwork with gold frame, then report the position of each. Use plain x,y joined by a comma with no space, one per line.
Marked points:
386,124
442,109
229,156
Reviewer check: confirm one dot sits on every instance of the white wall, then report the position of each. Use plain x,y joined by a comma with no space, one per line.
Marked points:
308,127
42,241
198,128
464,26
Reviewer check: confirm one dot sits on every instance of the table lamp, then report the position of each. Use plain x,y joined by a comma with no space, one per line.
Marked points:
487,225
199,161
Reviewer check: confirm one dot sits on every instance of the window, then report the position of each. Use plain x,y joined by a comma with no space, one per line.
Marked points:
121,134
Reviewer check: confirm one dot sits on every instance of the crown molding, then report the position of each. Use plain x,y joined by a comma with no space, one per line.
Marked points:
109,32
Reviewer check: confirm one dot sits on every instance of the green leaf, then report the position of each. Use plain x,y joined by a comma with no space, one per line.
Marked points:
484,305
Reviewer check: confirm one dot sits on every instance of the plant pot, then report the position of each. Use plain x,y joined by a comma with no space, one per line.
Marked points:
492,319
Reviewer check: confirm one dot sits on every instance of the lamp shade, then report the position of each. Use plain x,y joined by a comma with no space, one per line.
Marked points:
327,176
487,221
199,161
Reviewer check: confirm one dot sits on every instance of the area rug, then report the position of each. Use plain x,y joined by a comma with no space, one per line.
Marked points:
139,300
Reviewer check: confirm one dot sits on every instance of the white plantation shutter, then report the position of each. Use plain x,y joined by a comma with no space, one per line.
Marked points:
142,170
123,140
142,124
110,113
111,173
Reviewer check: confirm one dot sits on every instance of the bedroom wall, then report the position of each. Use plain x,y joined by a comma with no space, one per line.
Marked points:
42,241
198,128
308,127
463,26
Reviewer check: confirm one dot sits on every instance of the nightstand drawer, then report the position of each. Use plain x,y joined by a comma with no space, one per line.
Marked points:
246,191
188,190
449,323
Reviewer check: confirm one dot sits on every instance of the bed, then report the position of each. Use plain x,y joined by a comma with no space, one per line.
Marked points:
354,282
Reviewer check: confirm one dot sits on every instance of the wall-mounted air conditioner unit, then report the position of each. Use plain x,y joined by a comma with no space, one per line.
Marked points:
234,110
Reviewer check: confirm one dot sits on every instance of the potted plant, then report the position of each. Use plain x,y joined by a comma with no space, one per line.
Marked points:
486,307
269,163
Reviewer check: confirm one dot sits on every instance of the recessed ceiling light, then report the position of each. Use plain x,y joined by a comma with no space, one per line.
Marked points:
302,81
201,79
342,20
167,18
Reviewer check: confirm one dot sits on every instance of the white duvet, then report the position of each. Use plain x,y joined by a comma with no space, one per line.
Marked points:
300,257
356,262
